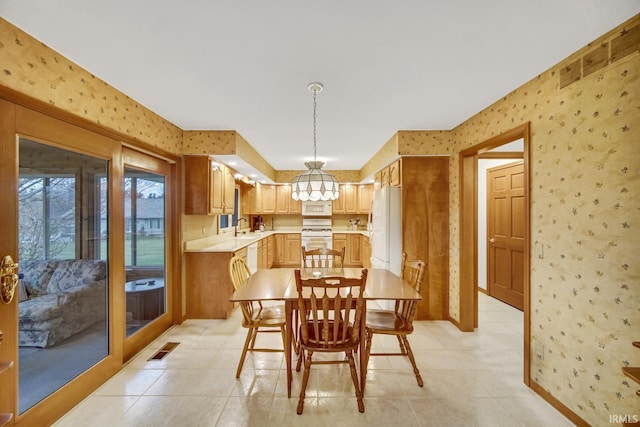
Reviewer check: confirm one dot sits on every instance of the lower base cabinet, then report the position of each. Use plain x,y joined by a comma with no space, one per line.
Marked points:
208,285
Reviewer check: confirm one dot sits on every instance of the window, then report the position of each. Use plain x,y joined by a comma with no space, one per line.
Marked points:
227,222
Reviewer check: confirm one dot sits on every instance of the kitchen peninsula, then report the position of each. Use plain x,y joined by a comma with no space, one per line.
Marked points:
209,285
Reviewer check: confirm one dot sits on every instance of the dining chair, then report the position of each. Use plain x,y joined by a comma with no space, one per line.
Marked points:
256,318
331,311
398,322
403,263
319,258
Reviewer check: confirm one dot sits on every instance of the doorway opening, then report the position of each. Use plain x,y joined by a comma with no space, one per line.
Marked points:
469,231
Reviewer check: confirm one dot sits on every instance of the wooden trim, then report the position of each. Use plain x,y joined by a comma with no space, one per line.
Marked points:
468,215
468,234
141,160
572,416
9,246
501,155
482,290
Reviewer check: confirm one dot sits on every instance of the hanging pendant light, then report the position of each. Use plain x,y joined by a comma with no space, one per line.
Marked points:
315,184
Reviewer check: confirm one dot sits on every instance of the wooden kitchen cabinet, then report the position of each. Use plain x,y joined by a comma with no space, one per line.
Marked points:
425,183
269,199
350,199
337,206
270,250
283,198
209,186
284,203
353,253
262,254
278,252
228,195
208,285
394,174
293,249
365,194
384,177
339,242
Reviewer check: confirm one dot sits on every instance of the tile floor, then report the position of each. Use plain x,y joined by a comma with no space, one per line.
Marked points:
471,379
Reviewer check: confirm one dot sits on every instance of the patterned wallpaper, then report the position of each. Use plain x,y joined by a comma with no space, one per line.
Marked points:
585,165
585,282
30,67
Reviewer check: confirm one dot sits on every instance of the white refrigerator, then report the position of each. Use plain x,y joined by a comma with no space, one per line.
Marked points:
386,229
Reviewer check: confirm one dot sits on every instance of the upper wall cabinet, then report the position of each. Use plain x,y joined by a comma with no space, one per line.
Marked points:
284,203
209,186
389,175
354,199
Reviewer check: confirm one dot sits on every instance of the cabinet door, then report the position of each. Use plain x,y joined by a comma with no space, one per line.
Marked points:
269,199
377,179
283,198
197,185
339,242
216,200
354,249
394,174
270,251
337,207
295,206
365,193
293,249
228,203
350,198
257,194
279,249
384,177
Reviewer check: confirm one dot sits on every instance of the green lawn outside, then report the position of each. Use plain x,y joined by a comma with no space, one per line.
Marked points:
150,251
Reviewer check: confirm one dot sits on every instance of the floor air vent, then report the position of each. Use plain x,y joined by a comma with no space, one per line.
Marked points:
166,349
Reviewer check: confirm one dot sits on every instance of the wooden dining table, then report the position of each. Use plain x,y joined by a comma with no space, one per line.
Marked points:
278,284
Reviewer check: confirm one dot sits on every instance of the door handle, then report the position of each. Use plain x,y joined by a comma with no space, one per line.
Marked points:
492,240
8,279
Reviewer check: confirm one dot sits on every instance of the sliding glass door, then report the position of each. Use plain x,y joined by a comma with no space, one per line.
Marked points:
63,288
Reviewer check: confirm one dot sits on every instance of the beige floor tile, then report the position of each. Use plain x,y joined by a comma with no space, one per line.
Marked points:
470,379
98,411
159,411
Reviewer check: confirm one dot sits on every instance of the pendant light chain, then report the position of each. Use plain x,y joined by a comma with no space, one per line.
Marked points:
315,91
315,184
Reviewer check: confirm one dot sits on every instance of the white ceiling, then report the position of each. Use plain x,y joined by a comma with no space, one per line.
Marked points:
386,65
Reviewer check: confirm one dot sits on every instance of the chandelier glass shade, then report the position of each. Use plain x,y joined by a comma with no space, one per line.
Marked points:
315,184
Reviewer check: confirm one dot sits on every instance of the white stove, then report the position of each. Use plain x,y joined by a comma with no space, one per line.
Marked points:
316,233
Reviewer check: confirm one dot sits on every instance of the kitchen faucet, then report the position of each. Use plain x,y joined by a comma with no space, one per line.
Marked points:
235,233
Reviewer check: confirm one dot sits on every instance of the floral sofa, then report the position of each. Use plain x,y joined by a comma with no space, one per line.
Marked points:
59,298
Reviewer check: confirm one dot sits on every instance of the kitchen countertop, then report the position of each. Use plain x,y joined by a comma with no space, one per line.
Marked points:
232,244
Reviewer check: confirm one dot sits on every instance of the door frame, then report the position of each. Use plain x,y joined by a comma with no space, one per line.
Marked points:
468,167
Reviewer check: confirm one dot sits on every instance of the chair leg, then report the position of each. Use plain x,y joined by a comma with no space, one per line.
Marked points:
403,350
305,379
413,360
356,382
250,335
300,354
253,339
367,355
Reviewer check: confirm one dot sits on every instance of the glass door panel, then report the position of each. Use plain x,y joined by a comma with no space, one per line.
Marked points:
145,247
63,290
